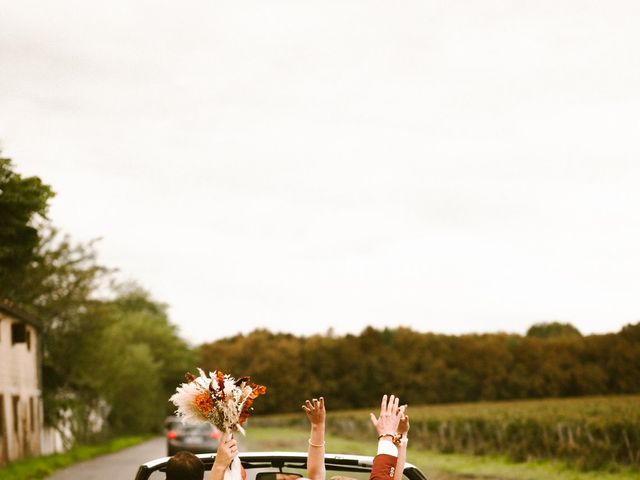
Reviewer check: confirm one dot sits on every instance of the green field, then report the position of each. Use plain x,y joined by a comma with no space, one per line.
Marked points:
564,436
437,466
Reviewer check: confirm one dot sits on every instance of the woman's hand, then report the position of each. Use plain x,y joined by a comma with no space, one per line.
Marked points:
403,425
390,414
227,450
315,454
315,411
401,443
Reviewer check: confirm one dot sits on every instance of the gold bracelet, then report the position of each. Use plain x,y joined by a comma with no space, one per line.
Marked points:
314,445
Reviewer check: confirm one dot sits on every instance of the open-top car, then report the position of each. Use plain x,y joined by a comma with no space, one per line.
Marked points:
284,466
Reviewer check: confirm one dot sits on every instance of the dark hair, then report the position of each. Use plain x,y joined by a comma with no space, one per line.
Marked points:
185,466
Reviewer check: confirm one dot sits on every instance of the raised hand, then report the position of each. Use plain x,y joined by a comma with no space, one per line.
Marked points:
390,414
315,411
401,443
315,455
227,449
403,425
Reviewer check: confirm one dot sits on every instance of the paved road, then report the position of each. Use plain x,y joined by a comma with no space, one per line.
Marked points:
121,465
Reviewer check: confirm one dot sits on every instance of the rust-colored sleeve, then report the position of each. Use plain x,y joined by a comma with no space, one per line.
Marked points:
384,467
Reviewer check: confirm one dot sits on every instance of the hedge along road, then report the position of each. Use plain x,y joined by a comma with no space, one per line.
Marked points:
121,465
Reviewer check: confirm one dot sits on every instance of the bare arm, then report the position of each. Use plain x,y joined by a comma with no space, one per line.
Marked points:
315,456
386,425
403,430
227,450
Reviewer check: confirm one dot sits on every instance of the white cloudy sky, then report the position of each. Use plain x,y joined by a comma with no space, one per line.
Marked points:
452,166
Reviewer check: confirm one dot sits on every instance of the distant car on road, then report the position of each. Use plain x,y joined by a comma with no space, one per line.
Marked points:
201,438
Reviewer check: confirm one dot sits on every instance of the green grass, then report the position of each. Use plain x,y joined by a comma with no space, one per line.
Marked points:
37,468
437,466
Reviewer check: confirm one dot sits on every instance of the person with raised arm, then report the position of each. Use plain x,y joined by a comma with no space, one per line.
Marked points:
227,450
388,464
402,439
392,426
316,415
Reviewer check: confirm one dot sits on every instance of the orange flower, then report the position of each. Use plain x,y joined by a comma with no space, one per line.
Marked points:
257,390
204,402
220,378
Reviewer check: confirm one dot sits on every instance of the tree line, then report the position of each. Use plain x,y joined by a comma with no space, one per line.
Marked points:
110,355
353,371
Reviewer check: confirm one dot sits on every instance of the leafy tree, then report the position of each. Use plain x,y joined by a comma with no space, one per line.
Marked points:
23,202
631,333
109,350
55,280
553,329
155,359
353,370
60,288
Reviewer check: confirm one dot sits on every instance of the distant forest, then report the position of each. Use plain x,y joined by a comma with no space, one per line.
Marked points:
353,371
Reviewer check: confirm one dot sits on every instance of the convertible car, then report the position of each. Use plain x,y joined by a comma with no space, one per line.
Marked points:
284,466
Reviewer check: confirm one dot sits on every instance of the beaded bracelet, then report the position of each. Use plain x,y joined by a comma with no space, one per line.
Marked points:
400,439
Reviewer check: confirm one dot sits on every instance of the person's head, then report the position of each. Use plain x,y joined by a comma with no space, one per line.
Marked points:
185,466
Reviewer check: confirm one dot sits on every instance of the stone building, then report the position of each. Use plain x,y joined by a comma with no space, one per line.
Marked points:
20,384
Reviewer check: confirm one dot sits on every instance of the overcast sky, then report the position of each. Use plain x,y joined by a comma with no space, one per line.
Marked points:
452,166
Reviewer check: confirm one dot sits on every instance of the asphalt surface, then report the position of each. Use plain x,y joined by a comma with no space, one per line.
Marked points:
121,465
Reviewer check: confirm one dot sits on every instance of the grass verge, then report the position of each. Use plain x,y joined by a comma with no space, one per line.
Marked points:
437,466
37,468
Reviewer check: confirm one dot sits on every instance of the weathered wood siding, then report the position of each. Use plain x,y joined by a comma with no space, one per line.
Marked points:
20,393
